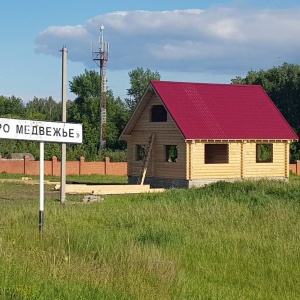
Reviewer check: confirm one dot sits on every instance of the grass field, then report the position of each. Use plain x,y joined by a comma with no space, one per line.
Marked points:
225,241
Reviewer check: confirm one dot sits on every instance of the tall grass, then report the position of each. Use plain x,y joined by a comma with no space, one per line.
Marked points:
225,241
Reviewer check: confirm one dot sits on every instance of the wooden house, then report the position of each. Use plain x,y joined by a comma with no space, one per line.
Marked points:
188,134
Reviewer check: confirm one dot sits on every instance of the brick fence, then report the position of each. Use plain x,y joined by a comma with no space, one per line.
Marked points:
295,168
52,167
80,167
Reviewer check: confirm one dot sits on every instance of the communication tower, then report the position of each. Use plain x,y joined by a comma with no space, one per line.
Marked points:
100,57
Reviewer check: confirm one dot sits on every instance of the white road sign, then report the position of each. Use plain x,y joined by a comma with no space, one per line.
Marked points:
42,131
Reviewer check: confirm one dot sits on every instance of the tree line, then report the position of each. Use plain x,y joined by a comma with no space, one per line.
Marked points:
281,83
84,109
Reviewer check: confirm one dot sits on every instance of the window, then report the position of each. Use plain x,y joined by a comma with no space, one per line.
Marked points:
216,154
171,153
140,152
264,153
158,113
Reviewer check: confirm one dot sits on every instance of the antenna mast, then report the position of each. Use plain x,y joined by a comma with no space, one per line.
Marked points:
100,58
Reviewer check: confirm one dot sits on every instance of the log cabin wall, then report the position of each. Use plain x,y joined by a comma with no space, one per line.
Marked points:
201,170
166,133
242,161
276,168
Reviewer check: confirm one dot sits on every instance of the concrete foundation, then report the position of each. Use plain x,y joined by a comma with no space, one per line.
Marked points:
161,182
183,183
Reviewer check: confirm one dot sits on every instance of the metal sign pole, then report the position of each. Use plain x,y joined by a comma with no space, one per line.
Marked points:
41,213
64,119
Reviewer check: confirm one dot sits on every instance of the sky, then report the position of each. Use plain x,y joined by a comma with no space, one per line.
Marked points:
191,40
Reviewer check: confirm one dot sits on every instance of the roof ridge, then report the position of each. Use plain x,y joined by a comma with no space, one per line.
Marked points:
204,83
228,111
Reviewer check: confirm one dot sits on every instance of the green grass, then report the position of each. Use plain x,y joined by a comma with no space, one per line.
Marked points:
94,178
225,241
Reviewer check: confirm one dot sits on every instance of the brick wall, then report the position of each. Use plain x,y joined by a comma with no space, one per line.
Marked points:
81,167
52,167
295,168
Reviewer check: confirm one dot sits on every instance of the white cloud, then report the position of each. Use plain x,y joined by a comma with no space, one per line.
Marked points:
216,40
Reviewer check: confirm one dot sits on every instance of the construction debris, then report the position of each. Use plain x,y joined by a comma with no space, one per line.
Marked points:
92,198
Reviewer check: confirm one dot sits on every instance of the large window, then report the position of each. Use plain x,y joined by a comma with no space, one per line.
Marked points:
140,152
264,153
158,113
216,154
171,153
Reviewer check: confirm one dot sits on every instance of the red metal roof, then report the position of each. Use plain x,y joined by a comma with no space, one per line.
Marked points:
223,111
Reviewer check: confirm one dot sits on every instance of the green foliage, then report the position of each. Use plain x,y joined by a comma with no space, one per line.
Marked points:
114,156
295,151
171,153
92,178
86,110
140,152
86,85
11,106
224,241
139,80
117,117
264,152
43,109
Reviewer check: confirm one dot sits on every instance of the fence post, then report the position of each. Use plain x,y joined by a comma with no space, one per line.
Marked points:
298,167
26,160
53,165
106,163
81,163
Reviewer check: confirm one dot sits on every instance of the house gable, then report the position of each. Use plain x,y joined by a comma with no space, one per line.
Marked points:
145,123
141,118
167,138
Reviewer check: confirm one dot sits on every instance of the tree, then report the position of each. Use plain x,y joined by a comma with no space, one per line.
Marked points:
85,109
43,109
282,84
117,117
12,107
86,85
139,80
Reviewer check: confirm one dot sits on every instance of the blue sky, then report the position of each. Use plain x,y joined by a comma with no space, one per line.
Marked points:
202,41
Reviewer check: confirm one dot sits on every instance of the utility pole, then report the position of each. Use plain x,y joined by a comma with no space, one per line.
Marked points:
64,120
100,58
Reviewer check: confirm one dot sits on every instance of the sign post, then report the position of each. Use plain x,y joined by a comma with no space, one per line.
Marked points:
40,131
41,212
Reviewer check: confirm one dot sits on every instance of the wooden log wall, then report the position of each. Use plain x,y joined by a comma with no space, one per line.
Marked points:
166,133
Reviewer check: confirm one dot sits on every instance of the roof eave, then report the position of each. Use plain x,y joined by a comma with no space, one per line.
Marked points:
239,140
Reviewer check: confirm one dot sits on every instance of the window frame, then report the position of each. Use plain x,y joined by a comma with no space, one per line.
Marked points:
211,157
140,152
168,156
259,154
160,115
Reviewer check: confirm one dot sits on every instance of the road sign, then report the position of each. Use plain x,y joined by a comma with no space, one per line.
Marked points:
41,131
